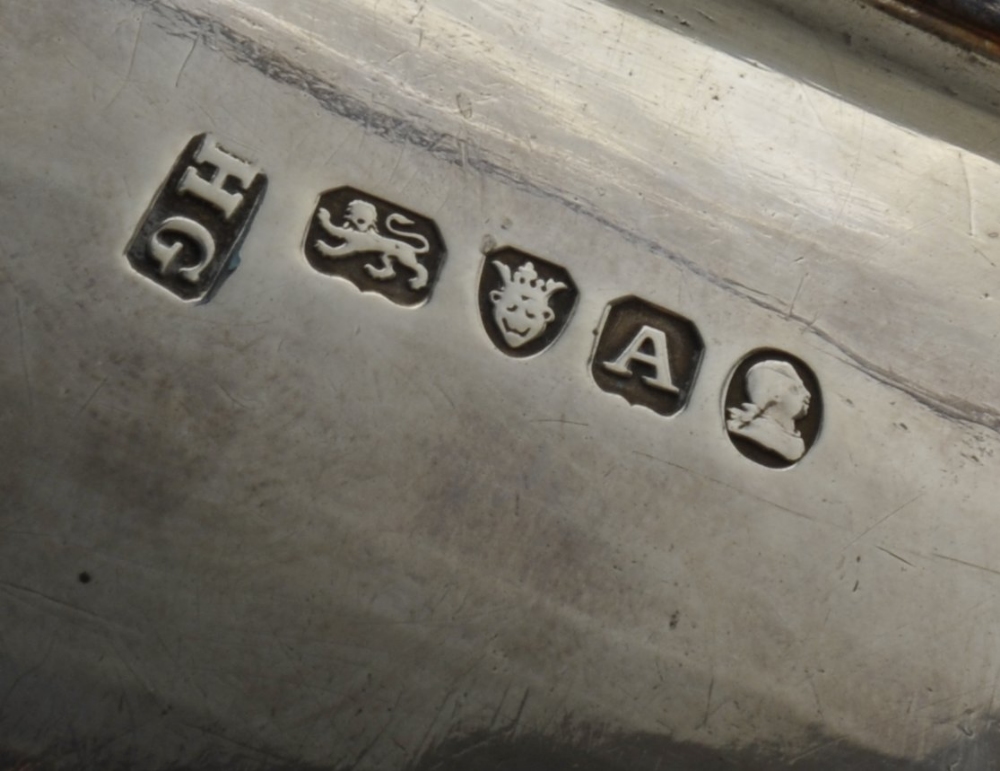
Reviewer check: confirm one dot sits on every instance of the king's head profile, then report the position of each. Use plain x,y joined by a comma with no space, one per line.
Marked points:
778,398
521,305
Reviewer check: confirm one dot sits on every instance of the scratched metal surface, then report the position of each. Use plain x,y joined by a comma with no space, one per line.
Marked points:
300,526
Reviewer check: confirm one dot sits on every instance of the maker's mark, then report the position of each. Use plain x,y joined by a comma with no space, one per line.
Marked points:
189,239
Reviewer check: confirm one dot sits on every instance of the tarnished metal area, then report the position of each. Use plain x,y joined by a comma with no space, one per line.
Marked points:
605,385
973,24
983,15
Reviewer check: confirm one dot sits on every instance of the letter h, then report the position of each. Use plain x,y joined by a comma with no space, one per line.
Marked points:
212,189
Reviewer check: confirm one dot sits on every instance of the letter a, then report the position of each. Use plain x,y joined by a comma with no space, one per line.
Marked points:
657,359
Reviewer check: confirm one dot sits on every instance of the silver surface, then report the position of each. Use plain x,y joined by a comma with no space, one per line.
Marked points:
317,527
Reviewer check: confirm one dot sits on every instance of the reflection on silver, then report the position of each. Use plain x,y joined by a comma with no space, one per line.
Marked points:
302,506
778,398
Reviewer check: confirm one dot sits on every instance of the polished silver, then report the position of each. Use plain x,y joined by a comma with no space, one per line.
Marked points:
326,528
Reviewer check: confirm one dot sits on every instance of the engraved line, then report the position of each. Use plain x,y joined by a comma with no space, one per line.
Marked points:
131,62
194,44
893,554
738,490
378,735
968,192
264,753
91,397
708,703
815,749
16,591
798,291
232,398
22,355
892,513
560,420
503,698
967,564
25,674
854,171
443,393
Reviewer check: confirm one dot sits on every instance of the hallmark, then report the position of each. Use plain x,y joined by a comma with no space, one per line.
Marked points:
525,301
345,239
188,242
773,408
189,238
647,355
